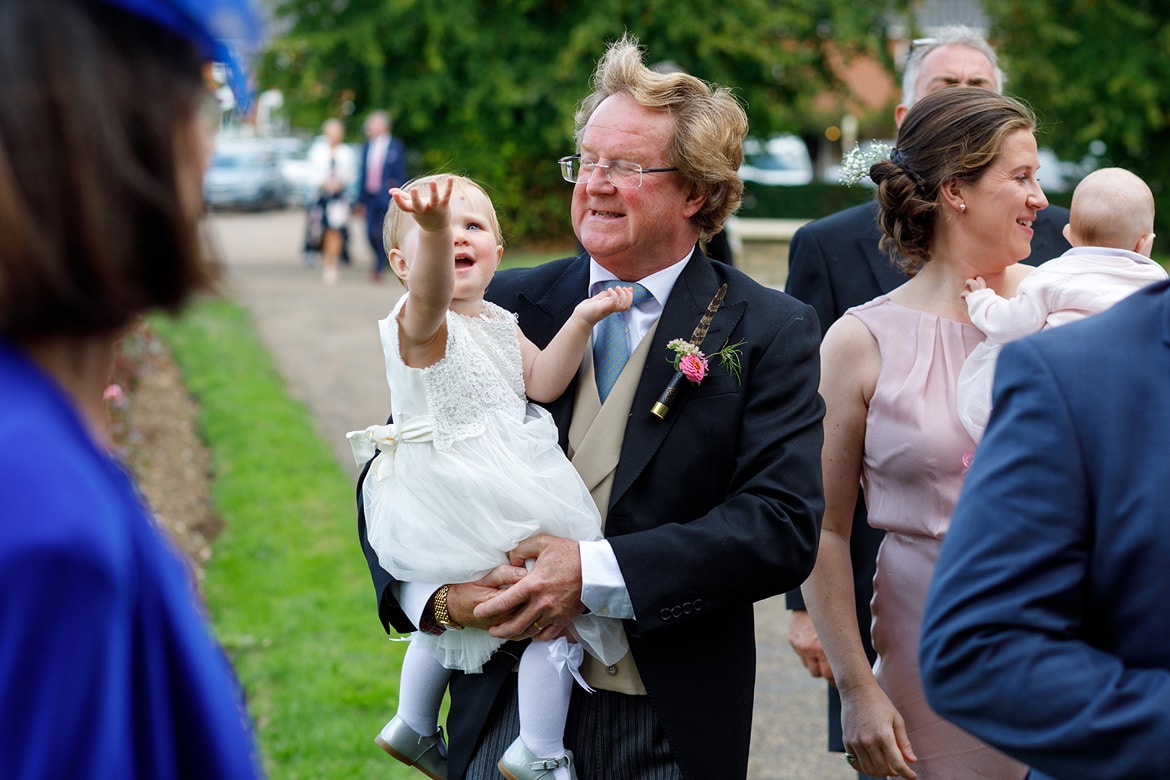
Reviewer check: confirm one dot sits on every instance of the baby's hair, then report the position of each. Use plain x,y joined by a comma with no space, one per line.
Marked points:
1111,207
394,224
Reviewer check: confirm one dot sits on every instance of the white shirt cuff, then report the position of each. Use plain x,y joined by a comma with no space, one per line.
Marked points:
603,589
413,597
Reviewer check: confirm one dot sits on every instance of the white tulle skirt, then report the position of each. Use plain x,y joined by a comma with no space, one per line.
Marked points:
448,516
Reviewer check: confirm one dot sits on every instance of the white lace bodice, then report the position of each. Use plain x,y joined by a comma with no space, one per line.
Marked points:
480,375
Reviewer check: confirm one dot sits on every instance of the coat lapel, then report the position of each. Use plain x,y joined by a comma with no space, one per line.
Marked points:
688,300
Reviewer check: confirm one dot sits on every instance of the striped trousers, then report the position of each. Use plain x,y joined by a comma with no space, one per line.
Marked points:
613,737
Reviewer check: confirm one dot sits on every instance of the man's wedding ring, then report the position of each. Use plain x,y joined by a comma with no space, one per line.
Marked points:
852,759
537,626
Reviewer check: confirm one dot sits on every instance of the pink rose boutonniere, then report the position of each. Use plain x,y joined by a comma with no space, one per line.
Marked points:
693,364
688,359
694,367
690,364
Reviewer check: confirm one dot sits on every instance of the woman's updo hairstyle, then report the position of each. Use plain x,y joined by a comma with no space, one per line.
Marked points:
951,133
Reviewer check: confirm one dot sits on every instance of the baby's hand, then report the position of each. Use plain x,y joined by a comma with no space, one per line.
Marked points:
594,310
973,285
430,211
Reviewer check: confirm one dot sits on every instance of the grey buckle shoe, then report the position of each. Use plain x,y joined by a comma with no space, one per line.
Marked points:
520,763
426,754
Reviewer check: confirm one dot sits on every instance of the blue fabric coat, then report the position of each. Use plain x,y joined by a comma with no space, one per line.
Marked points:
1046,630
107,666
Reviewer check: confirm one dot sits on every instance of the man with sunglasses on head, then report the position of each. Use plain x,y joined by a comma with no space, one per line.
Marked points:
710,496
834,264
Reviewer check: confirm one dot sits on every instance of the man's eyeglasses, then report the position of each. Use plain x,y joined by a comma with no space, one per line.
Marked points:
919,43
621,174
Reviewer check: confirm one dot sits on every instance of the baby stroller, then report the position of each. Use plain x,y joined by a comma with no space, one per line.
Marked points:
315,229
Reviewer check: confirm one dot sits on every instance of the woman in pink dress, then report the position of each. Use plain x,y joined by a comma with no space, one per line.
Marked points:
957,198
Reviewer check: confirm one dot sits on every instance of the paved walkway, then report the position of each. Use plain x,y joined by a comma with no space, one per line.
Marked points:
324,340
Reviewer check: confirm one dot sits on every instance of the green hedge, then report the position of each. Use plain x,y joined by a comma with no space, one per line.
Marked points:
807,201
818,199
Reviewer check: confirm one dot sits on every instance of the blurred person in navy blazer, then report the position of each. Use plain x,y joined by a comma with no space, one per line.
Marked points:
383,166
1045,631
834,264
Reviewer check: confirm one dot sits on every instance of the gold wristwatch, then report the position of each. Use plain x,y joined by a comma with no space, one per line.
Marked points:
442,616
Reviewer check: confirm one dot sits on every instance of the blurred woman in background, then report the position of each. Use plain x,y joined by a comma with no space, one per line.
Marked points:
334,166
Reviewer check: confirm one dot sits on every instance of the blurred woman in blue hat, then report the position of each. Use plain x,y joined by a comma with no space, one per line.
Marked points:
108,668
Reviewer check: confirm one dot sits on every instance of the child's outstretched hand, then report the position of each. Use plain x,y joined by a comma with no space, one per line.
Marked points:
594,310
973,285
429,208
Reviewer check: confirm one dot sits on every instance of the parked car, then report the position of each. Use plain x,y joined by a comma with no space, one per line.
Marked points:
244,174
292,154
781,159
1058,175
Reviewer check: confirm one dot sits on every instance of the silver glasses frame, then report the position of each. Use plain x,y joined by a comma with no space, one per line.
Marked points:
574,170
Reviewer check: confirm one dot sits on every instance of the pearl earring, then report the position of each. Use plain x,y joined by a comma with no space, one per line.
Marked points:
962,207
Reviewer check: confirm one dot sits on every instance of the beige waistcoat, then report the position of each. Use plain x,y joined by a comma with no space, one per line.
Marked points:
596,433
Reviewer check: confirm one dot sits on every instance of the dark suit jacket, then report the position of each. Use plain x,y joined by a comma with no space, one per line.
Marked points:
712,509
834,264
393,175
1046,630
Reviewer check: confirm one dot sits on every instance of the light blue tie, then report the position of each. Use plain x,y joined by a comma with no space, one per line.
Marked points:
611,350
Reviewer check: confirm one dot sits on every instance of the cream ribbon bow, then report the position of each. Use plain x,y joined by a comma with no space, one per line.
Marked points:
565,655
386,438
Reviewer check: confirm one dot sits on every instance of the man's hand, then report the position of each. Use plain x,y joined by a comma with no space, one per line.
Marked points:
543,603
803,638
464,597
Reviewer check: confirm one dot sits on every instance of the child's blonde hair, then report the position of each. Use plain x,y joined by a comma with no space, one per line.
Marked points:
394,226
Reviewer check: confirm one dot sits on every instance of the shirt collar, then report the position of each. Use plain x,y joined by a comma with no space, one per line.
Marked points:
658,284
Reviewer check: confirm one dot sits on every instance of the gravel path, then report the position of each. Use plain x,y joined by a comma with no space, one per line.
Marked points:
325,343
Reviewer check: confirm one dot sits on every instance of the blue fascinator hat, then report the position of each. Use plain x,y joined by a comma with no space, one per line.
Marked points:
224,30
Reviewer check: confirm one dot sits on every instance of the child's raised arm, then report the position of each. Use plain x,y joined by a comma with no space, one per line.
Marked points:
548,372
432,268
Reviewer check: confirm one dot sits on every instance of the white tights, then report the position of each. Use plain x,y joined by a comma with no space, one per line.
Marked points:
544,691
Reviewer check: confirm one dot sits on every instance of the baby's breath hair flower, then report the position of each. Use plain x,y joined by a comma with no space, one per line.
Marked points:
855,165
683,347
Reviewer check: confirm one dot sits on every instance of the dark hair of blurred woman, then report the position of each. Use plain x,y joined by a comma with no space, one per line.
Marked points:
100,163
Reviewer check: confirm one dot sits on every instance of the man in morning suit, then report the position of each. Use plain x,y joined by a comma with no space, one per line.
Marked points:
706,510
834,264
1045,631
383,167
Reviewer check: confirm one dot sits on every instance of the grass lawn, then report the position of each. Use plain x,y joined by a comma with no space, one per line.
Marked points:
287,586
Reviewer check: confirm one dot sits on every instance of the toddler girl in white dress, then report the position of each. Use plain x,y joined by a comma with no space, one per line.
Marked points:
469,468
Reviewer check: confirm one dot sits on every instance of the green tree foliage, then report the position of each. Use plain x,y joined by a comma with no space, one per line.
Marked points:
489,88
1095,71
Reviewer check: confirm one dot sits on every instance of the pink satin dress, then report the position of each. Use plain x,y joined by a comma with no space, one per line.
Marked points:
912,473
